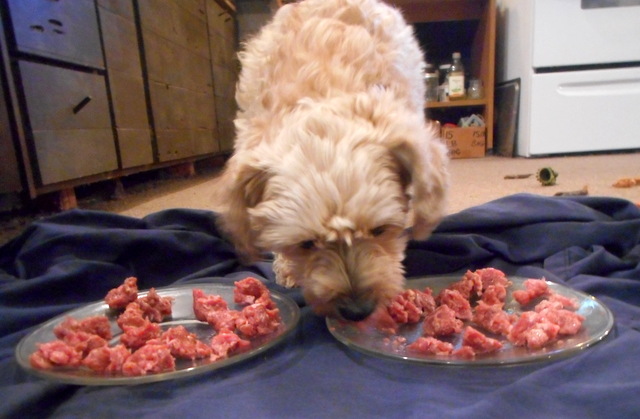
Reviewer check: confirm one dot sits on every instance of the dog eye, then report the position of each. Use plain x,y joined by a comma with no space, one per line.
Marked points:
378,231
307,245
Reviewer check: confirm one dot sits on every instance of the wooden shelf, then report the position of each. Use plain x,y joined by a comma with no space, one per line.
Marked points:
456,104
467,26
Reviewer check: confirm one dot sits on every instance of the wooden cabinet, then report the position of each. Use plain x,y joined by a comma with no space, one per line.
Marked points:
467,26
98,89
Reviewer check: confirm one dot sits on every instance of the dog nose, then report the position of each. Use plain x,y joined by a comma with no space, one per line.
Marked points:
356,311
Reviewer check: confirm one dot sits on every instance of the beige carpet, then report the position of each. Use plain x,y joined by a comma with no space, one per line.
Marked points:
473,182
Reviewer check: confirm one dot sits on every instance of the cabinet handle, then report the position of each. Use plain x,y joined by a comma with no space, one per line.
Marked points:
81,104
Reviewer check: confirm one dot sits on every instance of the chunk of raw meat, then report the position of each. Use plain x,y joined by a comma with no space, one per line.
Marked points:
182,343
492,318
250,291
532,330
107,360
95,325
442,322
132,317
203,304
257,320
469,286
492,276
457,302
227,343
126,293
380,320
534,288
149,359
223,319
430,345
84,342
410,305
464,352
155,307
55,354
494,294
136,336
479,342
569,322
565,301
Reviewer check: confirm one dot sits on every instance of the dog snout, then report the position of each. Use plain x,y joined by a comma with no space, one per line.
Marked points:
356,310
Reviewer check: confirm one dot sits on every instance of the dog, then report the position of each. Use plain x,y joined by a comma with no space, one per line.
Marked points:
333,158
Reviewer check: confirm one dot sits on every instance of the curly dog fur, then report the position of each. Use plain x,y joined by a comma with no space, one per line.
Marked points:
333,158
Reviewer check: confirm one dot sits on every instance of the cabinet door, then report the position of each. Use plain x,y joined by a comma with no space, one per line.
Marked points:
125,82
178,64
69,118
9,175
224,66
64,30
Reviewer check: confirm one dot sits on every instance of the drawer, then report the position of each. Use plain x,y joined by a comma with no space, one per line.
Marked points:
70,140
583,111
54,96
66,30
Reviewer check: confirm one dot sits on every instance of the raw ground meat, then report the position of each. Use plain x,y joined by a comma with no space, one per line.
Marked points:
227,343
464,352
55,354
149,359
380,320
568,321
469,286
126,293
457,302
84,342
442,322
155,307
250,291
410,305
494,294
204,304
493,318
107,360
480,298
492,276
95,325
182,343
223,319
479,342
430,345
136,336
533,331
534,288
257,320
132,317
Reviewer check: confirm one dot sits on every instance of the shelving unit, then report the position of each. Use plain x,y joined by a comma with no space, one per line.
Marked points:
468,26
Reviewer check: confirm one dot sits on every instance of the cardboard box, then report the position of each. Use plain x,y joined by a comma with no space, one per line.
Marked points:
465,143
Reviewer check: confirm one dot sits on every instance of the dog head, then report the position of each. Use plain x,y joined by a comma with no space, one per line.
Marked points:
331,193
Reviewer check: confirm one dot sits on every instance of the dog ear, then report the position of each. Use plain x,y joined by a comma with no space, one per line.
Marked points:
424,167
245,183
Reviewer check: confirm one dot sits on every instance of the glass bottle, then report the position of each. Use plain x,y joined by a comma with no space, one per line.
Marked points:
456,78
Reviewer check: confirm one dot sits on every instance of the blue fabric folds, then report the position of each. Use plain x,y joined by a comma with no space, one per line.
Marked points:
587,243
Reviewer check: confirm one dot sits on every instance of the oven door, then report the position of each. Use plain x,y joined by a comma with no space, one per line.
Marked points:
585,32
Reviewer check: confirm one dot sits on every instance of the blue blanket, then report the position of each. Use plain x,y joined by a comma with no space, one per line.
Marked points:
587,243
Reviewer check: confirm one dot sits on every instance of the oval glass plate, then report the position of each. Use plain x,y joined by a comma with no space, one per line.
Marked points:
182,314
366,338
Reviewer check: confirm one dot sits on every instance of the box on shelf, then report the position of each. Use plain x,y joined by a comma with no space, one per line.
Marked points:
465,143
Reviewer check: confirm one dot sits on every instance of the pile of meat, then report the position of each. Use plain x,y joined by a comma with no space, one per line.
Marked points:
471,310
144,347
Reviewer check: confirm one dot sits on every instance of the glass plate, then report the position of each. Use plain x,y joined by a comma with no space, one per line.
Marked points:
182,314
365,338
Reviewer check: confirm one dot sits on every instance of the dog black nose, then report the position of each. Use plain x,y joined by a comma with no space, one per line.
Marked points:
356,311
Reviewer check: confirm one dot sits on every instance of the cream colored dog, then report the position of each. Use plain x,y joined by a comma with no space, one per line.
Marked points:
333,153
